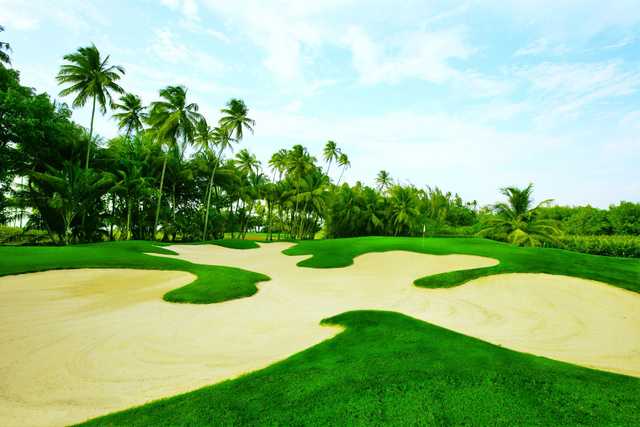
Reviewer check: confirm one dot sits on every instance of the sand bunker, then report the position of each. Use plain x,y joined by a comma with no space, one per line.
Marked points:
81,343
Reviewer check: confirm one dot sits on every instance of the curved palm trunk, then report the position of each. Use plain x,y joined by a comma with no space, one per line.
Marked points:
155,224
206,217
341,173
93,112
128,236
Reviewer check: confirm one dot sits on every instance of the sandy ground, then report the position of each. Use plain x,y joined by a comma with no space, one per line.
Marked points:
81,343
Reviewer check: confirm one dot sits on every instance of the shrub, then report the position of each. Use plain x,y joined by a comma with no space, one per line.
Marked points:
617,245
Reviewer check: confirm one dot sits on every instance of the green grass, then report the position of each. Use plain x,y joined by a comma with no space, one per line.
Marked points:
622,272
387,368
213,283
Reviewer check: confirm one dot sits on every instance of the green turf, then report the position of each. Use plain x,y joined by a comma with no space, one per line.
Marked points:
622,272
387,368
213,283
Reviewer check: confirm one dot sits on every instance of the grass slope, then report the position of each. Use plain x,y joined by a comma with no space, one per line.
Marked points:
213,283
621,272
387,368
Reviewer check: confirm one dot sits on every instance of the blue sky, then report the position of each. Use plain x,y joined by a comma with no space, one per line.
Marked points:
468,95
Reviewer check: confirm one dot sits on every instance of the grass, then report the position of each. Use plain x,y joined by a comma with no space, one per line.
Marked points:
621,272
386,368
213,283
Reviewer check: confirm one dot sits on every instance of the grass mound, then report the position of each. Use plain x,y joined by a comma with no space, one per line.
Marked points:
387,368
621,272
213,283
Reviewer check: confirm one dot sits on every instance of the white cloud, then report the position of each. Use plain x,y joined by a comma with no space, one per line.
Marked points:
167,47
542,46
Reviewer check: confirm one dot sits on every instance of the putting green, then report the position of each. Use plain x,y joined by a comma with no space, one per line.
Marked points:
110,342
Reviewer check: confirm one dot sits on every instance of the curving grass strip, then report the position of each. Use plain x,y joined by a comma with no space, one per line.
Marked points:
390,369
213,283
621,272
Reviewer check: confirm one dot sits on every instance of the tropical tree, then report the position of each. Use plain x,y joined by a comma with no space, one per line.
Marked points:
235,118
4,48
403,210
278,163
209,140
299,163
131,113
517,220
343,161
330,153
89,76
383,180
172,120
247,162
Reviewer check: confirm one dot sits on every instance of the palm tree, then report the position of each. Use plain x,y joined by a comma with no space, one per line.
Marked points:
247,163
330,153
235,118
90,77
4,48
383,180
343,161
299,163
403,208
131,113
207,139
278,162
517,220
172,120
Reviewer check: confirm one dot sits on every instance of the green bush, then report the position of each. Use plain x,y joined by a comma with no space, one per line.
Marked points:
617,245
17,235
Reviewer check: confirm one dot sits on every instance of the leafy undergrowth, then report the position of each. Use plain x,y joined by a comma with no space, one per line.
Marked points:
387,368
213,283
621,272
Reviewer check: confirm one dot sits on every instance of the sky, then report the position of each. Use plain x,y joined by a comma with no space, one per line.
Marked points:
469,96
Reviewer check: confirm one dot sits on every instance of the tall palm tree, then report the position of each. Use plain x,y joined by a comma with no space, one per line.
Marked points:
383,180
90,77
299,163
343,160
235,118
403,208
172,120
247,163
330,153
4,48
517,219
278,163
209,139
131,113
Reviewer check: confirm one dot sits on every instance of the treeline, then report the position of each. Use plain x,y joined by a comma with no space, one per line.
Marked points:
173,174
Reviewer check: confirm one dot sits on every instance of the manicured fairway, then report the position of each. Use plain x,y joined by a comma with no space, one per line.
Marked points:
621,272
388,368
214,283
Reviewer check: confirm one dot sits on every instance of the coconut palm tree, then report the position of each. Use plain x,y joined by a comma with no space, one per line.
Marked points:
403,210
131,113
343,160
330,153
278,163
89,76
383,180
247,163
4,48
299,163
172,121
235,118
517,221
213,143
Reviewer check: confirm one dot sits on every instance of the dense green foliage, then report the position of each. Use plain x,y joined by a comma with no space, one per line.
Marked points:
213,283
621,246
389,369
170,176
624,273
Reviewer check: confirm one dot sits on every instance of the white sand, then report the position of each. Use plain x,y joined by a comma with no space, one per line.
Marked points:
81,343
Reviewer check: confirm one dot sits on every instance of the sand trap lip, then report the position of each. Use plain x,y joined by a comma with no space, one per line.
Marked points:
110,342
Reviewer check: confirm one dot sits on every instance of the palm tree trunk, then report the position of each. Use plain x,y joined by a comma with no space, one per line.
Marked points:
206,218
341,173
269,221
155,224
128,236
295,212
93,112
